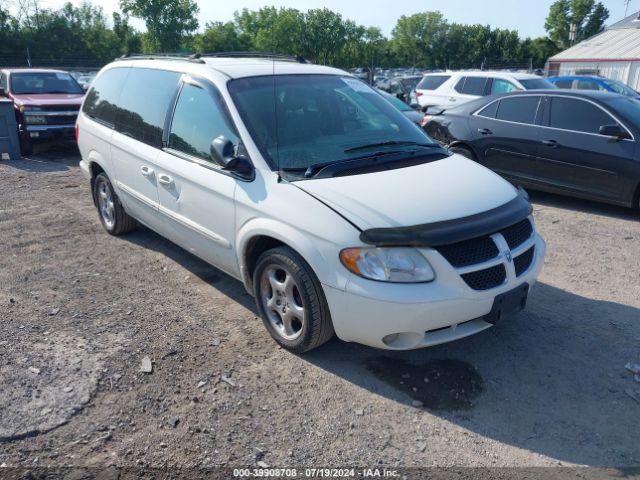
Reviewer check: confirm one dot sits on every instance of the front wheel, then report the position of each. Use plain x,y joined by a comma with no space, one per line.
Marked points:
465,152
291,301
112,215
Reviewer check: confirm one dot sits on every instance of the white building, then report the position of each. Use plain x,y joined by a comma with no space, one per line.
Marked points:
614,53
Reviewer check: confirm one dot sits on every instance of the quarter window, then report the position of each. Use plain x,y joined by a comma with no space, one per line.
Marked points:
144,102
518,109
490,110
577,115
102,100
198,119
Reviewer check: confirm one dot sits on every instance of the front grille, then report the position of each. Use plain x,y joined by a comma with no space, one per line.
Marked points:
487,278
517,234
61,119
523,262
469,252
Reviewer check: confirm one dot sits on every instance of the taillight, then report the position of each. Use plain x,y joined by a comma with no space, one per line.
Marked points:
419,94
425,120
77,132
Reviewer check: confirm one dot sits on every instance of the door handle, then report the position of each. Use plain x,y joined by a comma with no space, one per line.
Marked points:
146,171
485,131
550,143
165,179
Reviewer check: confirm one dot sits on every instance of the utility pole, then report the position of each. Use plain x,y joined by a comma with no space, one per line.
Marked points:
626,7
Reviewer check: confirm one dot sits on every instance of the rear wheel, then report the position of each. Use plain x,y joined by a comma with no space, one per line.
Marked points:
464,151
291,301
112,215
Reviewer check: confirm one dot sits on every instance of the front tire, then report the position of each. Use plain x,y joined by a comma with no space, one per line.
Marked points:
291,301
465,152
112,215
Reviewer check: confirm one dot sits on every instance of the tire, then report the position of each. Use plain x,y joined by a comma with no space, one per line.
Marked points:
464,151
26,148
112,215
274,270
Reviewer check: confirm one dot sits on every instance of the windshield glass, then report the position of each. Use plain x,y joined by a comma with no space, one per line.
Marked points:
621,88
43,82
302,120
395,101
537,84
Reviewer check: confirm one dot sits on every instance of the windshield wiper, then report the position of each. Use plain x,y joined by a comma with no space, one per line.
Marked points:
389,143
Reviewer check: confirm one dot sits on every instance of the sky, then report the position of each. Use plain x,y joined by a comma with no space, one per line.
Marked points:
525,16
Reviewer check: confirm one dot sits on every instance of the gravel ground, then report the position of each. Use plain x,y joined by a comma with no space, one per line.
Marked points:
81,310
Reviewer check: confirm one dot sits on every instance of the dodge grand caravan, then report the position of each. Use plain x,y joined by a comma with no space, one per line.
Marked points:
336,212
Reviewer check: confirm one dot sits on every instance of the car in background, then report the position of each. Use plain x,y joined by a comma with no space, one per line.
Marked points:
454,88
579,143
404,88
412,114
85,81
46,104
584,82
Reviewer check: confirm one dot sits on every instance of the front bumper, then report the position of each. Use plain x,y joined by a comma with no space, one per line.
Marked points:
45,133
421,315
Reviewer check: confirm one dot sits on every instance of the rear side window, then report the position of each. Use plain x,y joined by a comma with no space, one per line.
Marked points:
197,120
589,85
577,115
563,83
432,82
498,85
471,85
518,109
102,100
144,102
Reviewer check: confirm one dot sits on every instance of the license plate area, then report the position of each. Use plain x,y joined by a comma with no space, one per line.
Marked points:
508,303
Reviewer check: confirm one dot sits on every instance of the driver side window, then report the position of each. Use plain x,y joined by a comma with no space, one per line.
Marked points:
197,120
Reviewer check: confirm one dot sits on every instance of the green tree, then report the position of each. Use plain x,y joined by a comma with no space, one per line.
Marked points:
324,35
420,39
168,22
220,37
586,16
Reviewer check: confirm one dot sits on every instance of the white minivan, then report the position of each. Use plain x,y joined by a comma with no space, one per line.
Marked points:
336,212
455,88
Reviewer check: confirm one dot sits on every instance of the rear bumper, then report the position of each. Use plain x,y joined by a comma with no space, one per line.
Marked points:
421,314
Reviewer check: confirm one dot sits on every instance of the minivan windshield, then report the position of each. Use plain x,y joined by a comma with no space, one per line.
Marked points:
300,121
43,82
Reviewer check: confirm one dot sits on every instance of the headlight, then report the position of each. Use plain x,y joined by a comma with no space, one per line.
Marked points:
31,119
396,265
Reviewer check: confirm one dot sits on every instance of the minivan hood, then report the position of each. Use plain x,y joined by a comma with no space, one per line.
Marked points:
48,99
446,189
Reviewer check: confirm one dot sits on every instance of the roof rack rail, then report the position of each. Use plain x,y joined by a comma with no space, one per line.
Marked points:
163,56
271,55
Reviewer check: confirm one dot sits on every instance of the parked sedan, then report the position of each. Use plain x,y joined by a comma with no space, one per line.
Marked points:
585,82
579,143
412,114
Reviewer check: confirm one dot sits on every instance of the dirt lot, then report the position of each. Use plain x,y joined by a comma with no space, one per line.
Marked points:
80,310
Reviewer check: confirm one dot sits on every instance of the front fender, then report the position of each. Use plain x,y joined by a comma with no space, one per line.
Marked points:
320,254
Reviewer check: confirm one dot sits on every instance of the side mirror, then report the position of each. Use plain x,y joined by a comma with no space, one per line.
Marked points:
614,131
223,153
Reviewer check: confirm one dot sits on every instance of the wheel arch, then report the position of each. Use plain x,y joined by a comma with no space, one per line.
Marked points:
467,145
260,235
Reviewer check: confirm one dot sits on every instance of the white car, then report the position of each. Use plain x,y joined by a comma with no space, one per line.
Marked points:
336,212
455,88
